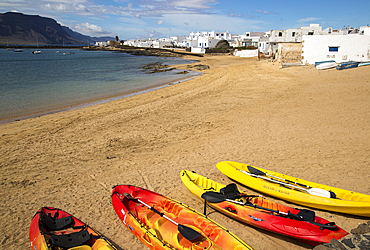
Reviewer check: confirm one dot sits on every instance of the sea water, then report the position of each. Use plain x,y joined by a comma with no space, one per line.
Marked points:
58,79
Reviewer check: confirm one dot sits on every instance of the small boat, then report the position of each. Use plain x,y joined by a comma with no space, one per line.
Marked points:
326,65
295,190
55,229
257,211
321,62
347,65
36,52
18,50
163,223
363,64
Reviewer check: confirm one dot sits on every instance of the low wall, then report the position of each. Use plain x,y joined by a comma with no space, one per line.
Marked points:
246,53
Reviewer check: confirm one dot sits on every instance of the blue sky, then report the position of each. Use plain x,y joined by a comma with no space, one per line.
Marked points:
163,18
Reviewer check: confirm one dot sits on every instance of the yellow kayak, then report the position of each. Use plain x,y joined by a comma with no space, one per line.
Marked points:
297,190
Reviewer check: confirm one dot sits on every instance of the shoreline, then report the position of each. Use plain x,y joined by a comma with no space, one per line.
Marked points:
96,102
298,121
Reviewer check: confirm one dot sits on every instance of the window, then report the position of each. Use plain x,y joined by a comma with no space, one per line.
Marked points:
293,34
310,33
333,49
280,34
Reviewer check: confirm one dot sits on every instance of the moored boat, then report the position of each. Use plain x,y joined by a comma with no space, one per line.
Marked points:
320,62
55,229
347,65
295,190
259,212
326,65
163,223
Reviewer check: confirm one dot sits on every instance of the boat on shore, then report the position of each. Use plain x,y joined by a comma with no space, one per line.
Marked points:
163,223
53,228
321,62
326,65
300,224
347,65
295,190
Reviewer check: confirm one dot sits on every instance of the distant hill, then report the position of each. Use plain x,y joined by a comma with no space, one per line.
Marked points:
20,29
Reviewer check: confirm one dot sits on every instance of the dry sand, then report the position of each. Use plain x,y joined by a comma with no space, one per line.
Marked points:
299,121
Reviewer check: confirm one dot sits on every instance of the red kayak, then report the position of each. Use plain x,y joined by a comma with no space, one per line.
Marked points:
54,229
301,224
163,223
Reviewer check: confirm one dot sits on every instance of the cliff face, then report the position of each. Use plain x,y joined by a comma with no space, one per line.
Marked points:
17,28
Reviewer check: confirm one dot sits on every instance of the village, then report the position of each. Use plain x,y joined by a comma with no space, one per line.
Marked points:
306,45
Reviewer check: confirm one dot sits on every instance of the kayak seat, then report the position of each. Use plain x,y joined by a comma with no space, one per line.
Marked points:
56,224
70,240
100,244
172,207
230,191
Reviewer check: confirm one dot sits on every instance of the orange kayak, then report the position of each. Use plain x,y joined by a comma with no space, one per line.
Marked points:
163,223
55,229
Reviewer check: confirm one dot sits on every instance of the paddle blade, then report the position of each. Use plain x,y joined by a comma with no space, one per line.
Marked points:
213,197
255,171
319,192
188,232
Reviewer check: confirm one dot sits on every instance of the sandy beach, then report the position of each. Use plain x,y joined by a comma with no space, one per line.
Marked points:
299,121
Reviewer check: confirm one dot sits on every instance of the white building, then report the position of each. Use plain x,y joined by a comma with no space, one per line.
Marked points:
340,48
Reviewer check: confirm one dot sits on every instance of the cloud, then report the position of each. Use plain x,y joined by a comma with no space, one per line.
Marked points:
263,12
309,19
203,22
92,29
65,7
160,22
153,33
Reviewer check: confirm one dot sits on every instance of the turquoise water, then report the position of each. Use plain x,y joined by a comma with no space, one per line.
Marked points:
39,83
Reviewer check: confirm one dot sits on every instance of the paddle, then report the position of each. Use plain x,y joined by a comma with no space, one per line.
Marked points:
187,232
314,191
304,214
214,197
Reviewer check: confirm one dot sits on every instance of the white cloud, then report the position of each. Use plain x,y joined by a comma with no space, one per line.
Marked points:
193,4
309,19
160,22
65,7
91,29
200,22
263,12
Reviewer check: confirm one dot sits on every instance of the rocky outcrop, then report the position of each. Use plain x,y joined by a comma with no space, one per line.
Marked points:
358,239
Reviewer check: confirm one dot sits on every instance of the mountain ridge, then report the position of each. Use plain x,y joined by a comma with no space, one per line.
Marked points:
21,29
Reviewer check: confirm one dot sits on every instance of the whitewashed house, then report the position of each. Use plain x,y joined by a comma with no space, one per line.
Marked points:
101,44
346,47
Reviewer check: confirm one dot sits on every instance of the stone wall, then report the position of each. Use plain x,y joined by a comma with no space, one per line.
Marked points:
289,52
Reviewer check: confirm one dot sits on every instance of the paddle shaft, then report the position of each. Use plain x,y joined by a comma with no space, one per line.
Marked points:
187,232
314,191
272,180
155,210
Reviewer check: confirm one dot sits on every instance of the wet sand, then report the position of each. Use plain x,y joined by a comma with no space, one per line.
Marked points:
299,121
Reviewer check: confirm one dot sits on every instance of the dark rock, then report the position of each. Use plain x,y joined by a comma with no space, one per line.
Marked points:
348,242
199,67
361,229
338,244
